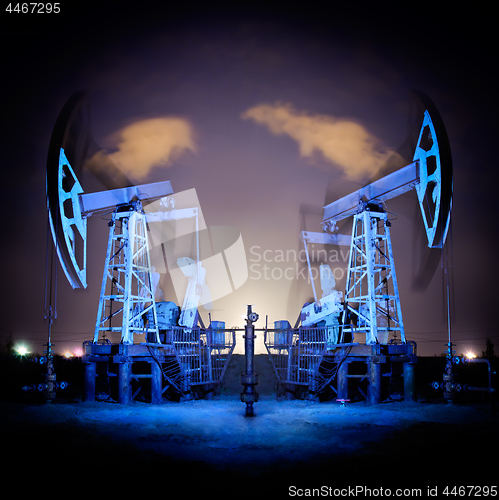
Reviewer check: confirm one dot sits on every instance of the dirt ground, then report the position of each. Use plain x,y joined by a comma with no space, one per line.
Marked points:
210,446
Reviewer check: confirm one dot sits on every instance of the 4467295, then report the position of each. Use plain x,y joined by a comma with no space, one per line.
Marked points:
33,8
470,491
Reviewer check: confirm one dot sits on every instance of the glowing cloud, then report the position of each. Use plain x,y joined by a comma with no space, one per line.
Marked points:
149,143
343,142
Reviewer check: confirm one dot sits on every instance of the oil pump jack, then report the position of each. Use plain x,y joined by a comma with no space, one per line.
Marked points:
363,324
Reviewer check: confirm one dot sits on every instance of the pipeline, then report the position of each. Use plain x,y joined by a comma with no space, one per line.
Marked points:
450,387
490,389
249,378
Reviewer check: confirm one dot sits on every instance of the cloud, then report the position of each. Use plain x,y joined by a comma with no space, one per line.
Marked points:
149,143
342,142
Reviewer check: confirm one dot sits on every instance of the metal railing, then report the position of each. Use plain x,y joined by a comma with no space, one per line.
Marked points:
202,354
296,354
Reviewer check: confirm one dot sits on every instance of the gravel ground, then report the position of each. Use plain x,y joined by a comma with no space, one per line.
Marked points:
211,446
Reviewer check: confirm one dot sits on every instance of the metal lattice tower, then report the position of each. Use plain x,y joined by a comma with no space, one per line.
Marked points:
371,281
127,277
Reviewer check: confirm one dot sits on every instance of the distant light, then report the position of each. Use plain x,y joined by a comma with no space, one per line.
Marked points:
78,353
21,350
68,354
470,355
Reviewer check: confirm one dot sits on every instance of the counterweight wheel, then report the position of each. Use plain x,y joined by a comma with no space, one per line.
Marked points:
435,186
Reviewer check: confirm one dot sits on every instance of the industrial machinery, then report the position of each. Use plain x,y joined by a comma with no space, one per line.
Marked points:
366,323
249,379
180,354
451,387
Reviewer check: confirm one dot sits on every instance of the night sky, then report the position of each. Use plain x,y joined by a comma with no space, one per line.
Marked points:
269,113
